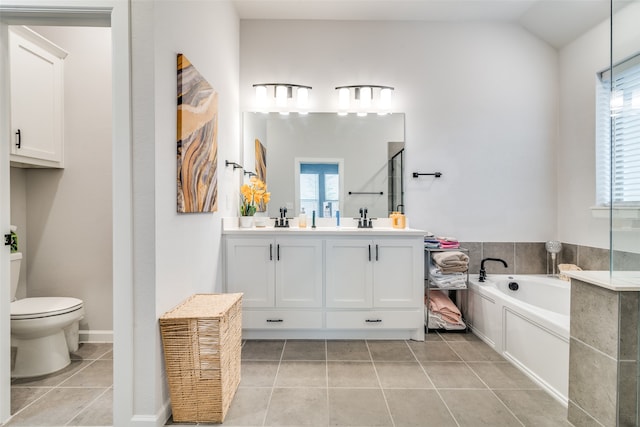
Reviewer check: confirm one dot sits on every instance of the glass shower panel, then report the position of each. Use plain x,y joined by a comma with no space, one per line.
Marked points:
625,142
624,191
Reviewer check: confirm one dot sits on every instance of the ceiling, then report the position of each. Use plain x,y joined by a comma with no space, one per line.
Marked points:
556,21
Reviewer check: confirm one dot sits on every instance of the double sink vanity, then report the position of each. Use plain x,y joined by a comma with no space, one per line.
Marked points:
331,281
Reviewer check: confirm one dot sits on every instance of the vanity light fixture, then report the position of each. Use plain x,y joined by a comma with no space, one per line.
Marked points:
366,99
283,97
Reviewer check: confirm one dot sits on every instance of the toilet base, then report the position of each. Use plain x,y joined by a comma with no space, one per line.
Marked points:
39,356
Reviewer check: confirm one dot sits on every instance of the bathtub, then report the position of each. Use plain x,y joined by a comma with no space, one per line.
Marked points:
529,326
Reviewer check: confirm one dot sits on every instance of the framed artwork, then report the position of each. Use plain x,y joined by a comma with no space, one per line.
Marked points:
261,167
197,134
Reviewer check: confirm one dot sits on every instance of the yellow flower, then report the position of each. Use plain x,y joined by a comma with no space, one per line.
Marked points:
252,194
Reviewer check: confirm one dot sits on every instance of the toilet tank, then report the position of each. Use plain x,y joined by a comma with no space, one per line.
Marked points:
15,259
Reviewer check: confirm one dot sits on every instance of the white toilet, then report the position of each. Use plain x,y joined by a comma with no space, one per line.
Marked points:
43,330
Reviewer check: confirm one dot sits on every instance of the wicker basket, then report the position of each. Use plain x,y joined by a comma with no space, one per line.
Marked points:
201,339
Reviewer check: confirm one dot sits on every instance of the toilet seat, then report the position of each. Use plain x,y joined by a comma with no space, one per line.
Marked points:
39,307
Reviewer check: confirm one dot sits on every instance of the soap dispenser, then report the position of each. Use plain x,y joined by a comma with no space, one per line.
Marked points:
302,219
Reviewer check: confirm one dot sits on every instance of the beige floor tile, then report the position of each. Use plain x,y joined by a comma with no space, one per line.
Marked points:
54,379
502,375
98,374
418,408
305,350
249,407
535,407
56,408
402,375
262,350
358,407
98,413
352,374
390,351
347,350
258,373
302,374
298,407
452,375
433,351
478,408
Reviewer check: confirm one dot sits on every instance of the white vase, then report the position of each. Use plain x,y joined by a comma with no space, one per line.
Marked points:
246,221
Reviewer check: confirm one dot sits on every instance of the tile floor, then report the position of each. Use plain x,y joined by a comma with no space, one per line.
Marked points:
79,395
449,380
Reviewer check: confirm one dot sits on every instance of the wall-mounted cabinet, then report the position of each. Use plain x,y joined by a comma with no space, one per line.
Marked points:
37,100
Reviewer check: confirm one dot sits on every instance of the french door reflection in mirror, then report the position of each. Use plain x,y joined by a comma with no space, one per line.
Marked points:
318,186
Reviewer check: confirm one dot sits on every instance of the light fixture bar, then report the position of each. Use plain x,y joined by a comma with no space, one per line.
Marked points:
365,100
282,93
289,85
361,86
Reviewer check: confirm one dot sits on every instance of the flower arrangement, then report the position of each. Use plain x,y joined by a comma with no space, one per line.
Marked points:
253,195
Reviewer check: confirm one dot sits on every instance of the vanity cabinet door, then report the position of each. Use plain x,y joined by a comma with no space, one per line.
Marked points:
349,273
298,265
398,273
37,103
250,269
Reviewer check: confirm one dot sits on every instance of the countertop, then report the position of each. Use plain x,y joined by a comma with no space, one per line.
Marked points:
620,281
381,227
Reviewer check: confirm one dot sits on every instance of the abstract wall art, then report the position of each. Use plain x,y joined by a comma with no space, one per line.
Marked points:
197,135
261,168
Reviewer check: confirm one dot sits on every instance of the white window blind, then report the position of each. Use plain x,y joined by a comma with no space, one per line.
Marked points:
618,135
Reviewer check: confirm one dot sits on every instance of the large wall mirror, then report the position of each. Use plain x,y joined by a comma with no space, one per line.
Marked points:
326,162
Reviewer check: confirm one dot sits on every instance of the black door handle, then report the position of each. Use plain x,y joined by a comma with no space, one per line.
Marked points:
376,252
19,143
369,252
278,251
373,320
270,251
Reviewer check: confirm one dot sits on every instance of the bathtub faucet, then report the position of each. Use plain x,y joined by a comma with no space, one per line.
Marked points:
483,272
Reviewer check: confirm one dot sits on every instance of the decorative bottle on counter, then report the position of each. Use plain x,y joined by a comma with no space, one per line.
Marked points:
302,219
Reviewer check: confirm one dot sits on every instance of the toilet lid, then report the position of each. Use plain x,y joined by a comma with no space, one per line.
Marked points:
31,308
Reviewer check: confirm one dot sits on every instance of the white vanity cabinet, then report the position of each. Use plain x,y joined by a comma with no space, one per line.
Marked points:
37,101
375,283
275,274
327,284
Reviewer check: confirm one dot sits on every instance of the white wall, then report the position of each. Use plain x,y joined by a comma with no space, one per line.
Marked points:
65,233
480,103
177,254
580,62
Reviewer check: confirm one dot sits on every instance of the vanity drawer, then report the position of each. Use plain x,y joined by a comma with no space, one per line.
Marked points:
280,319
405,319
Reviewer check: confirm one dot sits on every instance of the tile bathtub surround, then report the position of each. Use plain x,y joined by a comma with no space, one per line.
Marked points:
449,380
79,395
603,355
533,258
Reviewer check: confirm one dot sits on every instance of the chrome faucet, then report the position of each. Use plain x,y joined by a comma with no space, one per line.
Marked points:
483,272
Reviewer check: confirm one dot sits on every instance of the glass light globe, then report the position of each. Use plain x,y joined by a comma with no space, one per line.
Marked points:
553,247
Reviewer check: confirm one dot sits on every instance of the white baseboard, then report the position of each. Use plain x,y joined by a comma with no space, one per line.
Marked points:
96,336
157,420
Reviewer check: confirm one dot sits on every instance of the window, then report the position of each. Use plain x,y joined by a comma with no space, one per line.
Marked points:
319,188
618,121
